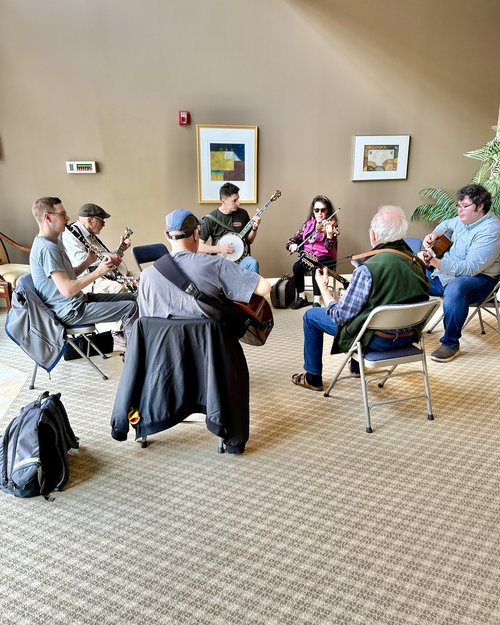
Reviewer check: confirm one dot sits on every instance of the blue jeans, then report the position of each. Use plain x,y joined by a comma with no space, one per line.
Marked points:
317,322
249,263
458,295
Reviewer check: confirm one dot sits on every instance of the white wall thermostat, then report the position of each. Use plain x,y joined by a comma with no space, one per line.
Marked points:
80,167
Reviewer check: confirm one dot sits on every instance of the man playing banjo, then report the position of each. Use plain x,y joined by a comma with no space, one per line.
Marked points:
229,219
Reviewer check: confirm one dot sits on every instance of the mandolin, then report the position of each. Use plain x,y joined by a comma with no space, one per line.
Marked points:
311,261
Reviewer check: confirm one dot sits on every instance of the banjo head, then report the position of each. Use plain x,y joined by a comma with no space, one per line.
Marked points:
236,242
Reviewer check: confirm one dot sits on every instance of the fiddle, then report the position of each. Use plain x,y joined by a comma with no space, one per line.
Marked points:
320,226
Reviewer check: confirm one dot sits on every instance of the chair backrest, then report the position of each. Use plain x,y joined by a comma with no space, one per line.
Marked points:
398,316
414,243
4,255
148,253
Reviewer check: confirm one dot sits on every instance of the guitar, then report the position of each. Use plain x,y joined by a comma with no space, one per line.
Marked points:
257,318
311,261
237,239
438,247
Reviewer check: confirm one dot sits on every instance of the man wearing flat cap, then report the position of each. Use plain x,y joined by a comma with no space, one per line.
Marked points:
84,232
158,297
91,220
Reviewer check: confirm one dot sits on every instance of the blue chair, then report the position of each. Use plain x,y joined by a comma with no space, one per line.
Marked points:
414,243
395,317
148,253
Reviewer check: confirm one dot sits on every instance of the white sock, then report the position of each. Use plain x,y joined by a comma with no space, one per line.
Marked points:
303,295
317,299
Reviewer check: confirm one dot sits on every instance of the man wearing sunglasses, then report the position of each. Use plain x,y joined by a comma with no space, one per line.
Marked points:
470,269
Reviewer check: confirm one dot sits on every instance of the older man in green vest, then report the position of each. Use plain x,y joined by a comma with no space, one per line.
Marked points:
388,274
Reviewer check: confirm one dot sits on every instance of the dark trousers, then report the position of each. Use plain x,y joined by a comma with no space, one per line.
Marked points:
299,271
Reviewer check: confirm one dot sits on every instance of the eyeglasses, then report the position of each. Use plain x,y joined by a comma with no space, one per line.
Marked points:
62,213
99,219
458,206
320,210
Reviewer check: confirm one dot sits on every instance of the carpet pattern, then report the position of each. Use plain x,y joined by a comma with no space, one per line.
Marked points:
317,523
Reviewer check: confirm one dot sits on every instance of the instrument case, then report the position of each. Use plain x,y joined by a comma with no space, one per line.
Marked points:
283,292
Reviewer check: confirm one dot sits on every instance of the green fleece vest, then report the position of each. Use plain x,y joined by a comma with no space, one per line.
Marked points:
395,280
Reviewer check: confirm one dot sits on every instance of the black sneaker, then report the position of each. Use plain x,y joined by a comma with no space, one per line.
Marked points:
445,354
228,448
354,368
300,302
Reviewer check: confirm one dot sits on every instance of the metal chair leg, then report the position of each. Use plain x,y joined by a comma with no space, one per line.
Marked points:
83,355
33,377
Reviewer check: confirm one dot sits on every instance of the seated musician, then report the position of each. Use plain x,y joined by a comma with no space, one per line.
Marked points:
158,297
56,280
80,235
470,269
318,238
229,217
391,274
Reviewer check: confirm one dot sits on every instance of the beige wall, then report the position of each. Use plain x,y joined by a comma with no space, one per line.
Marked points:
104,79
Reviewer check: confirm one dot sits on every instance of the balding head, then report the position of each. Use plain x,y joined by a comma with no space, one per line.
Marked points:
389,224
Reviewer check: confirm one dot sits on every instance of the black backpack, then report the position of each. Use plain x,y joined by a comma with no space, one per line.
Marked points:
34,448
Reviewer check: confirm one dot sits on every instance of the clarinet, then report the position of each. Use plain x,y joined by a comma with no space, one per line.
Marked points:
129,282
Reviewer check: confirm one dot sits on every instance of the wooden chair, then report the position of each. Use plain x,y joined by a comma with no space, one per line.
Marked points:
10,272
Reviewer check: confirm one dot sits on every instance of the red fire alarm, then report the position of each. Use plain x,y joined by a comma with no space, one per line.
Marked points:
184,118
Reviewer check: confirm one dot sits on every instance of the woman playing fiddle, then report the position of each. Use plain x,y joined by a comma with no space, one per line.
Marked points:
318,236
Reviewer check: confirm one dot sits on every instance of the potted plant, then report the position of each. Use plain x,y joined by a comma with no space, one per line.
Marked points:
488,175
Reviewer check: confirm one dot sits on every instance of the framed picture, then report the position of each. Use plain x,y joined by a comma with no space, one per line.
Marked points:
226,154
380,157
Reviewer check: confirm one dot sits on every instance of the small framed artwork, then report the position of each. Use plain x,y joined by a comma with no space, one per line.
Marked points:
226,154
380,157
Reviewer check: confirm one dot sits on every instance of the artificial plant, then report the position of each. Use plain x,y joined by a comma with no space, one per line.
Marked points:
488,175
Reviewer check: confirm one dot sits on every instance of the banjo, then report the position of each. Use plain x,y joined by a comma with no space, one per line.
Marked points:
237,240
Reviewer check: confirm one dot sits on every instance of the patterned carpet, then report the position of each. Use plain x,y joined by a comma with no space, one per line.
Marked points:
318,523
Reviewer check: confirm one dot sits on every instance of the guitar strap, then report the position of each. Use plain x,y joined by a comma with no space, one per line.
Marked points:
76,232
223,225
170,270
413,258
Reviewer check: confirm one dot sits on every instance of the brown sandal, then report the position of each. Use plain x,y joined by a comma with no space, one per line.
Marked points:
300,380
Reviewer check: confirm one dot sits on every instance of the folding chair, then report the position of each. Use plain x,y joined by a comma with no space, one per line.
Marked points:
34,327
148,253
489,304
394,317
71,335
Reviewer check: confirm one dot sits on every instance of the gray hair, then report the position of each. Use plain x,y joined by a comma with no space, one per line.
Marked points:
389,224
